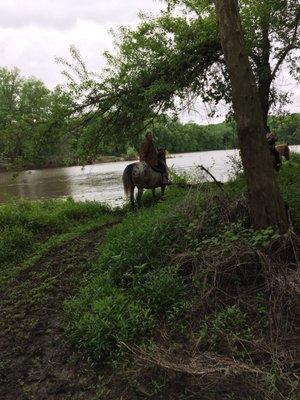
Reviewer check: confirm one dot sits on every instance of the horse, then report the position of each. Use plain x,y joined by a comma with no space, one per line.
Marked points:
283,150
143,176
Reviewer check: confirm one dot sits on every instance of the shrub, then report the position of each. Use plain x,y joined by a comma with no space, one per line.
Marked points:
236,234
103,318
224,328
160,290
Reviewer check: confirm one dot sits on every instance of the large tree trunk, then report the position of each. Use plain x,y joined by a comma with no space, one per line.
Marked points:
264,74
265,201
264,85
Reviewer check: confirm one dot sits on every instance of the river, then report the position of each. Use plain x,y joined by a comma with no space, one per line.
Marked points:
103,182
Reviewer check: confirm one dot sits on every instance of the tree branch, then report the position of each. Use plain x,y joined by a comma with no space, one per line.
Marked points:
254,57
292,45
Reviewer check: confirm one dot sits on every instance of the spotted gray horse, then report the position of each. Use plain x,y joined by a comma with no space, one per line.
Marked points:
142,176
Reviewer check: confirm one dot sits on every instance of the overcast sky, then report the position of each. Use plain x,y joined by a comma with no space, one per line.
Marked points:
34,32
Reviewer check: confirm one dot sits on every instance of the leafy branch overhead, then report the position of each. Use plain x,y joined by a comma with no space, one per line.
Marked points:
162,60
177,57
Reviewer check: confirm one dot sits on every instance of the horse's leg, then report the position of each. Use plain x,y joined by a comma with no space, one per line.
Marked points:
132,196
153,193
139,196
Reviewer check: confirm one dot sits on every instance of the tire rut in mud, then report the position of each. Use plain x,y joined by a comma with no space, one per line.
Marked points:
36,361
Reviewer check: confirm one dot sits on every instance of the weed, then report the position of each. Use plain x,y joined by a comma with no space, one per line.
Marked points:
158,290
103,318
224,329
231,234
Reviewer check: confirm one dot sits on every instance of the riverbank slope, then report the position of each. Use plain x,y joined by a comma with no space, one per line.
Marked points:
181,300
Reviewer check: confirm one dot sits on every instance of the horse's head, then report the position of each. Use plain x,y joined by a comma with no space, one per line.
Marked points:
161,154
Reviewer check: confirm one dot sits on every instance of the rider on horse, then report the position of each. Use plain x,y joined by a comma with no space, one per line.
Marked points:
272,139
149,154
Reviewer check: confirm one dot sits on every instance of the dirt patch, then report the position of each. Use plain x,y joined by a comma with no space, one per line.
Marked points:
36,362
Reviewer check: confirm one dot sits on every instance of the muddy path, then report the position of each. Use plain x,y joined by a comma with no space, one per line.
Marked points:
36,361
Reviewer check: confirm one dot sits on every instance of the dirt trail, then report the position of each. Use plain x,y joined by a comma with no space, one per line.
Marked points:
36,363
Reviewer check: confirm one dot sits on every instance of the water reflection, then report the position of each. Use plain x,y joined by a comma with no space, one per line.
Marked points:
36,184
101,182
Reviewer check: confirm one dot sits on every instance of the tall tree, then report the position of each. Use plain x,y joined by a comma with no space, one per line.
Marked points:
272,38
271,30
32,127
265,202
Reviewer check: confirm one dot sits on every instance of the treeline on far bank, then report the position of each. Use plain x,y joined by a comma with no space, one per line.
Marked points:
37,129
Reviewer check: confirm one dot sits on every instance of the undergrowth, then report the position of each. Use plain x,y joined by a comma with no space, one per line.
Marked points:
183,295
187,289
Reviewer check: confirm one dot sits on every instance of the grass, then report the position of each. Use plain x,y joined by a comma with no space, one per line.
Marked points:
178,288
131,282
43,263
156,268
28,229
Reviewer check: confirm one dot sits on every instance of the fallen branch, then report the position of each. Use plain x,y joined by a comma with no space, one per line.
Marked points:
201,365
211,175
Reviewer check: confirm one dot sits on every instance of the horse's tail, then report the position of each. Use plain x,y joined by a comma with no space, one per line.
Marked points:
127,180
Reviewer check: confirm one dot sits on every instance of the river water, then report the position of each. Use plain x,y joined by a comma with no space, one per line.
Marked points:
103,182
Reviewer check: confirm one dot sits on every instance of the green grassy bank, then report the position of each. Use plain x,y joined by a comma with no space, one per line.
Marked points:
29,229
180,300
186,289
